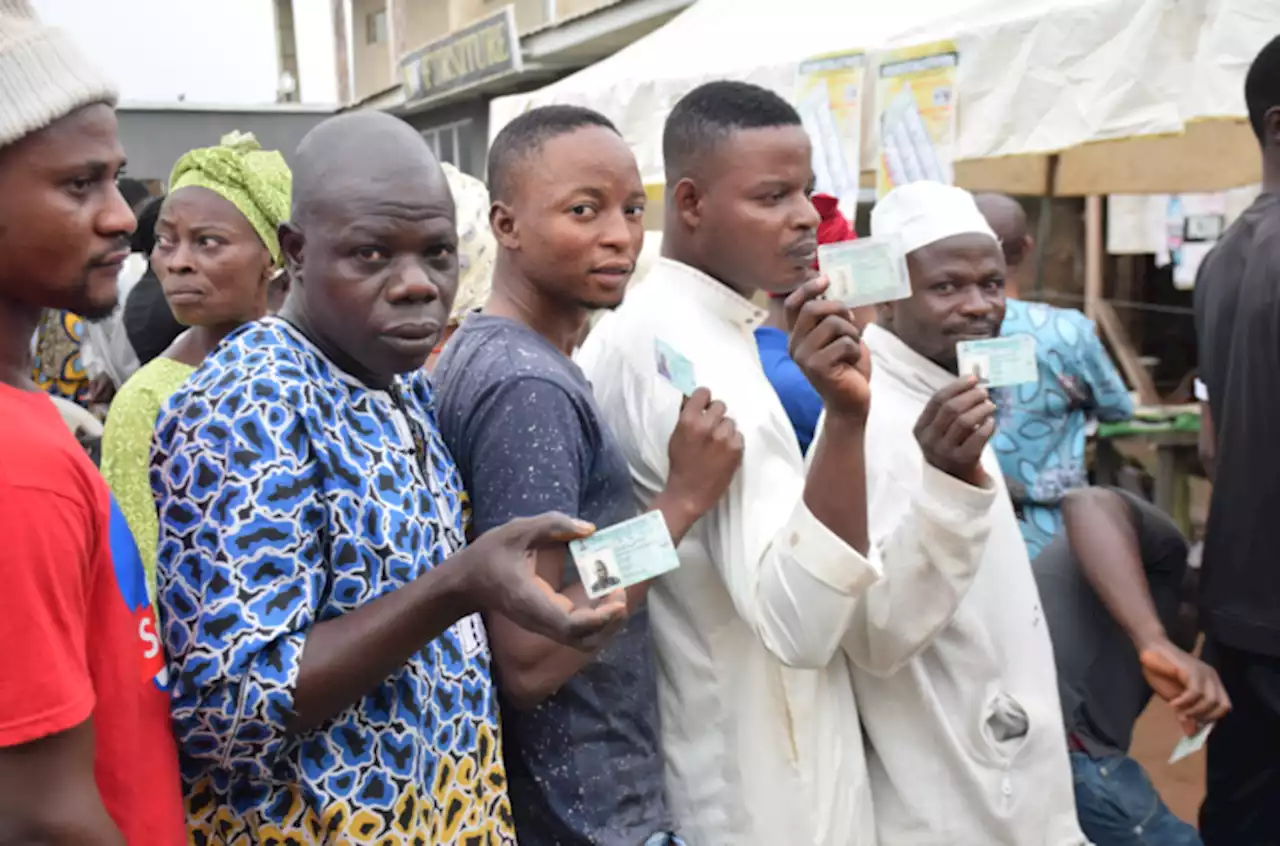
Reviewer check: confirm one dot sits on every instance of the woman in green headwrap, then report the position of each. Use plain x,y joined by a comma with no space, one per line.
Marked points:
218,260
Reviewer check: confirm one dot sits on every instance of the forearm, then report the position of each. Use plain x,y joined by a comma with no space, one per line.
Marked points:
1105,543
346,657
66,825
835,489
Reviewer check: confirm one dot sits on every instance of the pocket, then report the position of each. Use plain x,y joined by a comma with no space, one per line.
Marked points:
1005,726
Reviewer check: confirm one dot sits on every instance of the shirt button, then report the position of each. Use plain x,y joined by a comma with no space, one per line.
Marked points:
1006,786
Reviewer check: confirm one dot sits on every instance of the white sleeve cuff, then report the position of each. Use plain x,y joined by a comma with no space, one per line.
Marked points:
824,555
946,495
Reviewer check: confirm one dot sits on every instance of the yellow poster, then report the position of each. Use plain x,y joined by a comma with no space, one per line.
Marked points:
916,115
829,99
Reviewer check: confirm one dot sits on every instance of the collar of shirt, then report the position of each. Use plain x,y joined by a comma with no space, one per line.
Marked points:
917,373
713,295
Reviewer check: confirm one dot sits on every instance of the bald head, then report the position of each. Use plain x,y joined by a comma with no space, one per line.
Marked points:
1009,220
365,151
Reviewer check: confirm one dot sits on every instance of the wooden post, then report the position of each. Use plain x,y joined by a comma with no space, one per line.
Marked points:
1093,253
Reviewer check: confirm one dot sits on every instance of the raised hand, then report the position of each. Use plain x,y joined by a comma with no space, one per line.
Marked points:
705,451
954,428
502,577
828,348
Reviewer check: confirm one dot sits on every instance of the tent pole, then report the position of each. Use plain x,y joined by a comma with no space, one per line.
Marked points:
1044,225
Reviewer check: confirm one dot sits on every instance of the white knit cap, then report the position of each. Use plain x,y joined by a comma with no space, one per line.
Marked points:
44,76
922,213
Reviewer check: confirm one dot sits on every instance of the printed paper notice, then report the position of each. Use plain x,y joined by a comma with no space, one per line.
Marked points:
829,99
916,116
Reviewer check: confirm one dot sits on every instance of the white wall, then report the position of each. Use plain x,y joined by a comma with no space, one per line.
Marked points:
211,51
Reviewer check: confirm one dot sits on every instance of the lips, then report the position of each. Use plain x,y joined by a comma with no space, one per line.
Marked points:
413,330
112,261
805,251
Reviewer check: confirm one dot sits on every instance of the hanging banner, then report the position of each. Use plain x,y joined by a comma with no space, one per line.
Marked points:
916,116
829,99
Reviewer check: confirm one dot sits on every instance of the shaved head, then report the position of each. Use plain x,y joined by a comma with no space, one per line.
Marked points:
372,246
362,149
1009,220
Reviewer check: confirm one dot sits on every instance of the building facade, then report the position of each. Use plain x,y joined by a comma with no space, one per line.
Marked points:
438,63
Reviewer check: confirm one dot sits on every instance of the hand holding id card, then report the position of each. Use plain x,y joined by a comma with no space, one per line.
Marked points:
865,271
625,554
998,362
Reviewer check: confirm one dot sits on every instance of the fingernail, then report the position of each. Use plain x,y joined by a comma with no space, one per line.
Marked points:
584,526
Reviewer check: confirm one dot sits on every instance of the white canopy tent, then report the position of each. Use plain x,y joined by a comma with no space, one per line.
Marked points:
1133,96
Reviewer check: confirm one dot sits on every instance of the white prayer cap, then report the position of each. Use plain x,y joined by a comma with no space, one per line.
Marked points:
922,213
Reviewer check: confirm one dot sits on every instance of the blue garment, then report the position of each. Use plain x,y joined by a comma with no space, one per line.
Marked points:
1118,806
1040,431
801,402
290,493
585,766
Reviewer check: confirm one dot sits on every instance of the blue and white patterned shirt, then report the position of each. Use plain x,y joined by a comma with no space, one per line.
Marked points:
1040,432
288,494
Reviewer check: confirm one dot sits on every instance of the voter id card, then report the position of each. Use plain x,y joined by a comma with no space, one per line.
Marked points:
674,367
1190,745
624,554
866,271
998,362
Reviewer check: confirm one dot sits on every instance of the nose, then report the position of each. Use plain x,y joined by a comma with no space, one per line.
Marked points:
807,216
178,259
116,220
617,232
975,302
412,283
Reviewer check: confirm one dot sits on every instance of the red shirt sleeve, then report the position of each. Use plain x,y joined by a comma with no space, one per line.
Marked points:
45,686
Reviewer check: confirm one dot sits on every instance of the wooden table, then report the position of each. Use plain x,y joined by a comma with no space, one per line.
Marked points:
1177,459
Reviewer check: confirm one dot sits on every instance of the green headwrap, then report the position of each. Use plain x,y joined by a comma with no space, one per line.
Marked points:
255,181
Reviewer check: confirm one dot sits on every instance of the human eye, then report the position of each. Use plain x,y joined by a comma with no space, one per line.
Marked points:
372,254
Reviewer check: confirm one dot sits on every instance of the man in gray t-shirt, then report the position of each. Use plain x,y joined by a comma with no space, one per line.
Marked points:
1112,588
580,730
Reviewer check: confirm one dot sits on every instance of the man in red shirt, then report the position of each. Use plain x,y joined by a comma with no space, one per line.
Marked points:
87,755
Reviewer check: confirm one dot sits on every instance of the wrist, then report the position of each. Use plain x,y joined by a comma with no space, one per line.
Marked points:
1153,639
841,423
459,580
679,510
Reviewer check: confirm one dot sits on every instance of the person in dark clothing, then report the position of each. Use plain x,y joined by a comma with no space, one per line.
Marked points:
148,320
1112,583
1237,317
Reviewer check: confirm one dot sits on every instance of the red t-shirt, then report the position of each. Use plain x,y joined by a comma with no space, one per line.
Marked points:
79,633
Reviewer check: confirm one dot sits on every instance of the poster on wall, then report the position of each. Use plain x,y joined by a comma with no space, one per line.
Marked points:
1193,223
916,115
829,99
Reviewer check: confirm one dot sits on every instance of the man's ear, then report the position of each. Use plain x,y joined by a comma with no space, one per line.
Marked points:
686,202
502,221
1271,127
292,242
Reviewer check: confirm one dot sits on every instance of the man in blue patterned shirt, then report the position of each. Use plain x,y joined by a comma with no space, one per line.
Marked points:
1040,434
331,679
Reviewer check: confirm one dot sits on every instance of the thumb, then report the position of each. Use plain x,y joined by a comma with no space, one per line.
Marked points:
550,528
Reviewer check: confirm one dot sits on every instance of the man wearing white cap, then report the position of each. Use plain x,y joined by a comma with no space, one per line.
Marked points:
953,669
87,755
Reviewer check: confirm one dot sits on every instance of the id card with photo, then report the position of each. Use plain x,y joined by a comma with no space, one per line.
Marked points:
674,367
998,362
866,271
624,554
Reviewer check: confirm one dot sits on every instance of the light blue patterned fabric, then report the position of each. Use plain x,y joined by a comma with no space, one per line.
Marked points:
289,493
1040,433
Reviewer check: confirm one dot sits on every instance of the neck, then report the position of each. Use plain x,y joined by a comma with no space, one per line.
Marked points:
193,346
296,314
676,248
516,298
777,310
18,323
1271,171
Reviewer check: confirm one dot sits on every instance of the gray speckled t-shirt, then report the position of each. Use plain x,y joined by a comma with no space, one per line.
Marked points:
585,765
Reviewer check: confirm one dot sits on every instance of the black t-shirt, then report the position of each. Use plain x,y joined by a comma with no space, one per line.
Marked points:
1237,306
1100,679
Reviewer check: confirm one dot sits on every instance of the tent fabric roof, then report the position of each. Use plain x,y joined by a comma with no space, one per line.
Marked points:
1035,77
